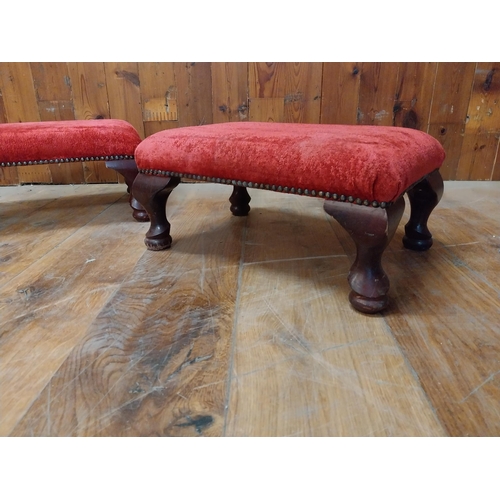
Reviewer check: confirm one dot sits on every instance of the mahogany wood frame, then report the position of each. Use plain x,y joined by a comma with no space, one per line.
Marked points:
370,228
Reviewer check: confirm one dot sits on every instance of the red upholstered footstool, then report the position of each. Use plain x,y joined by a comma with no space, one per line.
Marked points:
362,173
36,143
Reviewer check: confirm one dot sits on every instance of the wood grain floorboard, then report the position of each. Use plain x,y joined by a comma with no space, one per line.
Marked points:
154,362
318,368
243,327
40,228
287,227
447,321
46,308
291,360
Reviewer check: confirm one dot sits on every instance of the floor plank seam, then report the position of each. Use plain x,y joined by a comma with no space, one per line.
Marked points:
293,259
415,376
235,325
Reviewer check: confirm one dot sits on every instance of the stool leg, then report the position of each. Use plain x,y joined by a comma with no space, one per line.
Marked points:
152,193
371,230
240,200
423,197
128,169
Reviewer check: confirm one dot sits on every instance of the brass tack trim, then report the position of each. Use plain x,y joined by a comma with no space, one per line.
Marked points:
269,187
64,160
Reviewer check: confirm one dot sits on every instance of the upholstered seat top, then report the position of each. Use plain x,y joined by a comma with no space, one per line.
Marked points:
366,163
38,142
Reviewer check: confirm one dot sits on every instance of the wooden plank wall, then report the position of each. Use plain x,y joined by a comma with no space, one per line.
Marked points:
458,103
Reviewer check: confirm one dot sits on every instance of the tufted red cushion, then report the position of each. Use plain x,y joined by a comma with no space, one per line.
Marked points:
63,140
371,163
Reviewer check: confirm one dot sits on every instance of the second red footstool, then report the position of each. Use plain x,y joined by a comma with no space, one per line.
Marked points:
55,142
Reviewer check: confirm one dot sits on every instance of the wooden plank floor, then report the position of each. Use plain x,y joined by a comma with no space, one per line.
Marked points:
243,328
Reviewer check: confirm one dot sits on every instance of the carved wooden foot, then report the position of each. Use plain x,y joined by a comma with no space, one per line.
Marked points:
128,169
240,200
152,193
423,197
371,230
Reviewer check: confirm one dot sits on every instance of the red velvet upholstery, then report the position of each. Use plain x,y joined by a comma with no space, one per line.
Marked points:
371,163
38,142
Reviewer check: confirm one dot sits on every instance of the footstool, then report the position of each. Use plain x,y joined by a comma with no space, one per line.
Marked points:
362,173
54,142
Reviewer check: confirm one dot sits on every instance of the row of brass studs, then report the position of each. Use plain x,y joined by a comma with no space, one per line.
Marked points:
66,160
270,187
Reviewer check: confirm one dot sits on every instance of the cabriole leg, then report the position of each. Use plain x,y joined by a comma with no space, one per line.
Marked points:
128,169
152,193
371,230
423,197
